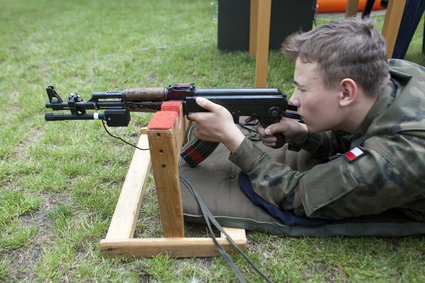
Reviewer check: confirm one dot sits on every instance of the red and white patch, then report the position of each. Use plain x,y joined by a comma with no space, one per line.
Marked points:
354,154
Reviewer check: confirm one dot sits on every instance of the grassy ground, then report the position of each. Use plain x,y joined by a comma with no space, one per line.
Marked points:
59,182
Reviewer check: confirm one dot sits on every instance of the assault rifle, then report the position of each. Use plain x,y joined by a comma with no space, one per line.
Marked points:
266,104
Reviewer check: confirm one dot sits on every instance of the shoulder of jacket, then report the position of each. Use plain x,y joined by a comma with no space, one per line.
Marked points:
404,70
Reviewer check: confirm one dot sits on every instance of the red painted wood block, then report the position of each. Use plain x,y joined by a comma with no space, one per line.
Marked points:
171,106
163,120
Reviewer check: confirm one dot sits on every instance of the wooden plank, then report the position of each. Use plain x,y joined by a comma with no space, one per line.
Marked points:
234,233
174,247
392,22
352,6
164,151
263,37
128,206
253,24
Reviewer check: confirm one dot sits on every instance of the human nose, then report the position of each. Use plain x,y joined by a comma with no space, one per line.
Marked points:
294,99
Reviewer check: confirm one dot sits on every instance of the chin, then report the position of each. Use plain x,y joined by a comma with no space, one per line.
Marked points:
313,129
310,128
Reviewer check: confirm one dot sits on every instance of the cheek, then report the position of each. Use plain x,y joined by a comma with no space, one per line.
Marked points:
317,115
311,106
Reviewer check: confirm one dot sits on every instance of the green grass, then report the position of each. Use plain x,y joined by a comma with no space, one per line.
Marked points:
59,182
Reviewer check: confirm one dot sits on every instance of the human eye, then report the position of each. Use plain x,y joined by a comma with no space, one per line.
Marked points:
299,87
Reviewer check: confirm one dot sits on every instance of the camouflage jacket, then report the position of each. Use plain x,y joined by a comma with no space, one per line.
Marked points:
378,168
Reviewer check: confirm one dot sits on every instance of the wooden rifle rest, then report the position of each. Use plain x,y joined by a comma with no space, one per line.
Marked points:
165,135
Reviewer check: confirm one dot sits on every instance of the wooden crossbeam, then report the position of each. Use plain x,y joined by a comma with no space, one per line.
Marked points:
174,247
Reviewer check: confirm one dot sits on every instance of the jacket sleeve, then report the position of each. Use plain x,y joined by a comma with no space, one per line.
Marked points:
383,177
275,182
323,145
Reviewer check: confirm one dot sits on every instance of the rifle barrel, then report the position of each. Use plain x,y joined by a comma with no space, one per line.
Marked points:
63,116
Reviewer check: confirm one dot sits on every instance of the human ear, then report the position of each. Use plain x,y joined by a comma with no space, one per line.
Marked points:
348,93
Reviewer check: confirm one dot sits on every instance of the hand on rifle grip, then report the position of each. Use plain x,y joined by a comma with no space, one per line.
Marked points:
280,140
279,137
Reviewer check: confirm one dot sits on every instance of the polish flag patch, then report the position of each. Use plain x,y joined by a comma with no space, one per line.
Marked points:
354,154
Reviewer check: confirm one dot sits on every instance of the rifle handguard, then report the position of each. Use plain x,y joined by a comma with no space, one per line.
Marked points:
145,94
